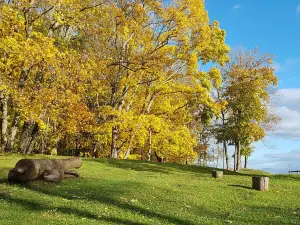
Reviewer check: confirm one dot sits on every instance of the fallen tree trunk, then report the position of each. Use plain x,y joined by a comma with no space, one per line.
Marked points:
45,169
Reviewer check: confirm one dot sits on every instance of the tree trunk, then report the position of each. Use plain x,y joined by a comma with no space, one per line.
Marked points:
28,137
199,158
77,147
114,149
223,159
150,146
13,133
127,153
4,122
226,154
246,162
159,159
238,159
95,152
205,157
234,158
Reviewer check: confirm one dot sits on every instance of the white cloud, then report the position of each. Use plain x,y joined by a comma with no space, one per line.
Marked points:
283,156
237,6
298,9
278,162
288,109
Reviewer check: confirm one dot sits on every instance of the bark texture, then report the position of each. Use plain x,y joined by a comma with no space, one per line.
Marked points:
260,183
226,154
3,118
28,137
114,148
246,162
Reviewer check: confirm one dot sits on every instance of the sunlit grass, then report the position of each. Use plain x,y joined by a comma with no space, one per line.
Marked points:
137,192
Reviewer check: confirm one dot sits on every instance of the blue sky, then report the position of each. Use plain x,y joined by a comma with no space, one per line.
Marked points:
274,27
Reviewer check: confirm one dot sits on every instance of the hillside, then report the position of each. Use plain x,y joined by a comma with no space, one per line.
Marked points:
137,192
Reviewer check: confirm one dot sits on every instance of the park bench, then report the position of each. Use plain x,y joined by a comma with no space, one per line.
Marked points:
294,171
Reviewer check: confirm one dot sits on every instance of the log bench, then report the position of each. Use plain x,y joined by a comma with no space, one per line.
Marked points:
53,170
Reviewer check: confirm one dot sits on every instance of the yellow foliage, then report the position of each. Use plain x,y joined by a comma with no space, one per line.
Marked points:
88,68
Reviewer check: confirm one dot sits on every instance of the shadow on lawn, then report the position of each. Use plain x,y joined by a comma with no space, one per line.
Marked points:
107,194
35,206
165,168
239,186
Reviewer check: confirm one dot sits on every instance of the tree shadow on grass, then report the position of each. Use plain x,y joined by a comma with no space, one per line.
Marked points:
240,186
133,165
165,168
35,206
110,195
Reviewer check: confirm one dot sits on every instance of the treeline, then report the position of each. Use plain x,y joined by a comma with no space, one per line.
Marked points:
122,79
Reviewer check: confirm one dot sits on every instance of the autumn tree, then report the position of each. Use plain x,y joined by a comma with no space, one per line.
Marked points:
37,88
247,81
120,78
246,151
149,72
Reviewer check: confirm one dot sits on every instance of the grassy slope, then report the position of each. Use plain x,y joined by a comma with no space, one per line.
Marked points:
135,192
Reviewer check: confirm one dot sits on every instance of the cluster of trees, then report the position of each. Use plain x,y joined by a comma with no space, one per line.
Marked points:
122,79
249,84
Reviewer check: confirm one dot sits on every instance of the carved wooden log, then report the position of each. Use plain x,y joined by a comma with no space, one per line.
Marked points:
53,175
217,174
260,183
30,169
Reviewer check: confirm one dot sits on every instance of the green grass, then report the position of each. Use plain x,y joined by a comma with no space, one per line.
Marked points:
137,192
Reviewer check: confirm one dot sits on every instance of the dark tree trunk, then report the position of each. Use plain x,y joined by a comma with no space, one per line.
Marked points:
246,162
114,149
159,159
234,158
238,159
3,118
77,147
28,137
226,154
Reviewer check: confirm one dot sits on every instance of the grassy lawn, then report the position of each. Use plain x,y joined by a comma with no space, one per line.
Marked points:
137,192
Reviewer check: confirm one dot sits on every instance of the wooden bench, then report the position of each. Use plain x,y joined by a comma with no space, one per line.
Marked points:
294,171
